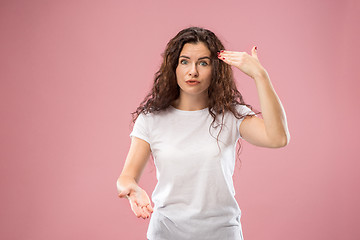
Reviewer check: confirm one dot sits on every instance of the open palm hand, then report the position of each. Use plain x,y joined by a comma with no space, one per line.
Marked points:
139,201
249,64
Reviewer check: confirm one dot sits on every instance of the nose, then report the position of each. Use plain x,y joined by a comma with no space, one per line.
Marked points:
193,71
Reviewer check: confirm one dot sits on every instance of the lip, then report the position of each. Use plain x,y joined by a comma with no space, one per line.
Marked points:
192,82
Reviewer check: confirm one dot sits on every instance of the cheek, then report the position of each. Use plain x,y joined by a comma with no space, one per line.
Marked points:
179,77
208,83
209,76
178,73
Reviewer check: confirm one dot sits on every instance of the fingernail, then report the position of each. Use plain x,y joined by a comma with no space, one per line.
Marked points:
256,48
223,58
222,51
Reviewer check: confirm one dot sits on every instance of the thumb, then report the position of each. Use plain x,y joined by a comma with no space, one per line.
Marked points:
254,51
124,193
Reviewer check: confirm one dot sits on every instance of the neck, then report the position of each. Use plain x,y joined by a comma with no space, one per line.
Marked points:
191,102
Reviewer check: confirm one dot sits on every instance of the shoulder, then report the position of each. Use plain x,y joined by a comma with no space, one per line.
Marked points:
153,115
244,110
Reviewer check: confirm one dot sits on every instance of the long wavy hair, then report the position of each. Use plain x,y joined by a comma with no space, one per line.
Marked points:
222,92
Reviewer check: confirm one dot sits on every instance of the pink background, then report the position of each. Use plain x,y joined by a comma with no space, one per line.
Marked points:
72,71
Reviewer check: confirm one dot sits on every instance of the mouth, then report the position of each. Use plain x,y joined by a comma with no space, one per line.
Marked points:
192,82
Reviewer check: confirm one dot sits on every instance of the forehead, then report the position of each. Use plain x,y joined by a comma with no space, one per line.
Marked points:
195,49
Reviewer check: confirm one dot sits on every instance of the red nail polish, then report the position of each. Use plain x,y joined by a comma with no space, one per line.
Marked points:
255,47
222,51
223,58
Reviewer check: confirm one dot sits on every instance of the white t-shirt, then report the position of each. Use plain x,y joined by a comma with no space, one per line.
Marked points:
194,196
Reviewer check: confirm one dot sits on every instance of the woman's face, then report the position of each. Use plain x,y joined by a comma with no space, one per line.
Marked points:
194,64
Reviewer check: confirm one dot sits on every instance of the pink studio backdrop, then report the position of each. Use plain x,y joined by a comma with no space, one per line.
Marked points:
72,71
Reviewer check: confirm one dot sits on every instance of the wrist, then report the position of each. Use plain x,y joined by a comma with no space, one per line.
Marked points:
262,75
126,182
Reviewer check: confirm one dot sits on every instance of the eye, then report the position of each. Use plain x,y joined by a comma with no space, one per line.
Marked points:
183,61
205,63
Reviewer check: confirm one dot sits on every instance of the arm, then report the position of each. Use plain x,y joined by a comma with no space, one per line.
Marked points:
272,131
127,183
136,159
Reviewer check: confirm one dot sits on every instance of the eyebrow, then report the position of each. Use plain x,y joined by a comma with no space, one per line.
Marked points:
198,59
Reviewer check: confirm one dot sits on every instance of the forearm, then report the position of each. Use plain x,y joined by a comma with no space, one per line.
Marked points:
125,182
272,110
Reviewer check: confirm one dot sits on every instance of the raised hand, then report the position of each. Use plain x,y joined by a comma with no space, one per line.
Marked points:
248,64
139,201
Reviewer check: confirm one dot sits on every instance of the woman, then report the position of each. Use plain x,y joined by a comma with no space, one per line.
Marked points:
194,99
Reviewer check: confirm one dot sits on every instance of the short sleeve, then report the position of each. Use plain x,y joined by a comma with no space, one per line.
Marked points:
244,110
140,128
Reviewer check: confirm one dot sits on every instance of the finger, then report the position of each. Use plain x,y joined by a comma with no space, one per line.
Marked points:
228,54
143,214
230,60
231,57
254,52
146,211
123,194
142,210
227,61
226,51
135,209
224,59
149,207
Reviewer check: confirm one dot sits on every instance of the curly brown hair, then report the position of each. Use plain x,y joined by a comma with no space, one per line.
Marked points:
222,92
